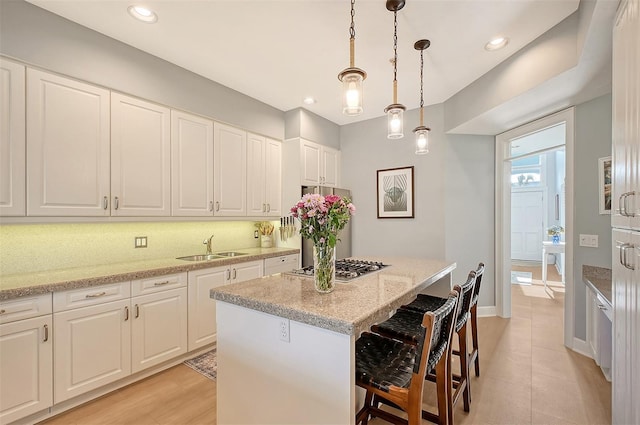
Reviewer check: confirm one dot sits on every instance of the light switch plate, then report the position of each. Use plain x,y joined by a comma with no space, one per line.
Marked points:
140,242
590,241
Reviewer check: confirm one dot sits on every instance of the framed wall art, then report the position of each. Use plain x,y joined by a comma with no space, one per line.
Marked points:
395,192
604,185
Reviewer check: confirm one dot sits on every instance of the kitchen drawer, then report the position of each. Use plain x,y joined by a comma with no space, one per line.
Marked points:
75,298
25,308
282,264
158,283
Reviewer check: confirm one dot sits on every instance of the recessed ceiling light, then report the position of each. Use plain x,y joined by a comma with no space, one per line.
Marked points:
497,43
309,100
143,14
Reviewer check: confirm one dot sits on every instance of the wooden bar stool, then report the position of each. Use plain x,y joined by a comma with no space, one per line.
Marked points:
403,326
393,372
473,358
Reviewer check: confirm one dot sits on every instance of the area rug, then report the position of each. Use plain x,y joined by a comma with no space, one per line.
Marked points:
520,278
205,364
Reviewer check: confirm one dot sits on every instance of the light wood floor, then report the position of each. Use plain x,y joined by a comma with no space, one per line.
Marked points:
527,377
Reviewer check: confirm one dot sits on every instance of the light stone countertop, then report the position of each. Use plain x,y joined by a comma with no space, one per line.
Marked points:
18,285
599,280
352,307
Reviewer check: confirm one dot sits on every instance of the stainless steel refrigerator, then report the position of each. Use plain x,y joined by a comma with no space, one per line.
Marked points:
343,247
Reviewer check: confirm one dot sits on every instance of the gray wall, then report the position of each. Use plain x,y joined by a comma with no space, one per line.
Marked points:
40,38
303,123
454,195
592,141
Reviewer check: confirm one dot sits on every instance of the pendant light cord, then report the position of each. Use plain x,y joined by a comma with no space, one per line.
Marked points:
352,36
395,57
421,89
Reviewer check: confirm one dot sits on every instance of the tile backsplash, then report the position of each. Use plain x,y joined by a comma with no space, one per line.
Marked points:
26,248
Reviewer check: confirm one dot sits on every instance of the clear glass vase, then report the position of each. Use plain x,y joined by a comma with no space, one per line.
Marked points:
324,268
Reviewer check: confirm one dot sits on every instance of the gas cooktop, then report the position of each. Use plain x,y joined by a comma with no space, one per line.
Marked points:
347,269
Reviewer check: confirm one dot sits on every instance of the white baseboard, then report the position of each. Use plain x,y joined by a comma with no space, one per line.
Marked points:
486,311
582,347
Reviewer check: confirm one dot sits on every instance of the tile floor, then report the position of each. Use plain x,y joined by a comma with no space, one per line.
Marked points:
527,377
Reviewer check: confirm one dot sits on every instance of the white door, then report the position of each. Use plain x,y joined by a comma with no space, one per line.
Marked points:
330,167
159,328
92,348
12,139
191,165
527,225
230,171
310,163
26,369
67,147
256,200
140,157
273,177
202,308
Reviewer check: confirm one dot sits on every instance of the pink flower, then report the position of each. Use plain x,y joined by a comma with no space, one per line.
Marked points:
331,199
352,208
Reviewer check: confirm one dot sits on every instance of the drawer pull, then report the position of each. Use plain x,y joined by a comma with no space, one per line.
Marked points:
602,307
3,311
126,313
166,282
235,273
99,294
46,333
137,311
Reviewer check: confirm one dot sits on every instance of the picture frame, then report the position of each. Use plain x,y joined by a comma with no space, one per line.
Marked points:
395,192
604,185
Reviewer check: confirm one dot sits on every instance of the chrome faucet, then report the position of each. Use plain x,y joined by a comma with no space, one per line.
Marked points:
207,242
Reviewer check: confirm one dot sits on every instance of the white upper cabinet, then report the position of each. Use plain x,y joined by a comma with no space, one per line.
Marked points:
625,200
191,165
12,139
320,165
140,158
230,171
264,176
67,147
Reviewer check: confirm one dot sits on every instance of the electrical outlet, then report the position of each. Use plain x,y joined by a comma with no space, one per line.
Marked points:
255,234
140,242
590,241
283,330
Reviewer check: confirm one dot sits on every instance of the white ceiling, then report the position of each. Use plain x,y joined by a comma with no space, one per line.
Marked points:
281,51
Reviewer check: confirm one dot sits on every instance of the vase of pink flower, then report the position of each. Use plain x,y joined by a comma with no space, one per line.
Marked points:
321,220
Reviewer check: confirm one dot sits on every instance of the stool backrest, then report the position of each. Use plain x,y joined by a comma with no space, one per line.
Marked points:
466,296
476,290
442,327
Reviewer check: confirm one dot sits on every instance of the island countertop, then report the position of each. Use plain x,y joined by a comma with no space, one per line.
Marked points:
352,307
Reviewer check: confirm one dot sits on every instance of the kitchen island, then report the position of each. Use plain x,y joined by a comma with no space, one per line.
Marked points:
286,353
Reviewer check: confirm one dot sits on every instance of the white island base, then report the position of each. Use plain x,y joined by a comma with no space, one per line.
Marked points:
263,379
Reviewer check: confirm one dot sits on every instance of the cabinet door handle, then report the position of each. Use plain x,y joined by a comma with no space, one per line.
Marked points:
137,311
235,273
46,333
217,205
268,207
105,202
211,206
626,262
96,295
625,197
264,207
116,203
166,282
126,313
228,274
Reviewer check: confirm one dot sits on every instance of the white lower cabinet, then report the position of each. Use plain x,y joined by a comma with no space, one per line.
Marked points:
92,347
202,308
159,328
26,372
282,264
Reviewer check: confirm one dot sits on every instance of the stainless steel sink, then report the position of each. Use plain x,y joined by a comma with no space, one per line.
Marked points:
230,254
203,257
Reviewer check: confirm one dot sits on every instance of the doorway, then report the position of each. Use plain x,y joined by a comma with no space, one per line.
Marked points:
521,154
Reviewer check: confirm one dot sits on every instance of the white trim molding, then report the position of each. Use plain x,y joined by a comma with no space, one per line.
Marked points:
487,311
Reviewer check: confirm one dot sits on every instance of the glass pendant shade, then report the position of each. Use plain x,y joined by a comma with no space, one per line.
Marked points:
422,140
352,92
395,119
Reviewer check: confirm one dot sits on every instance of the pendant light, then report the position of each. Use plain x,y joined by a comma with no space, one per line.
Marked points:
395,111
352,77
422,132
